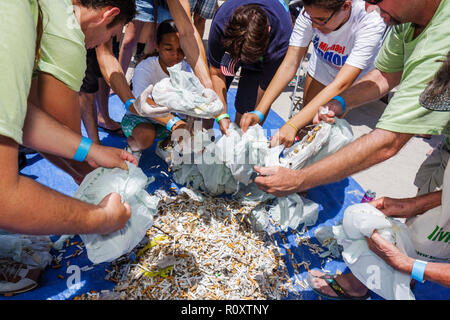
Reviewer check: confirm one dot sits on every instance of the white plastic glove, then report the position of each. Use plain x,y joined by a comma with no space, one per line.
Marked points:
145,109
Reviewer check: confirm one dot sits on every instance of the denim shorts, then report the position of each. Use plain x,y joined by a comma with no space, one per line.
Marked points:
145,12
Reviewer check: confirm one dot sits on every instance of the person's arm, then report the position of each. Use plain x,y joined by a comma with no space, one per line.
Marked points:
408,207
190,40
43,133
373,86
31,208
435,272
284,74
219,86
366,151
113,74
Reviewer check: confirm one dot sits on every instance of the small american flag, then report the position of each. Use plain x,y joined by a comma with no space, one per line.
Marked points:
229,65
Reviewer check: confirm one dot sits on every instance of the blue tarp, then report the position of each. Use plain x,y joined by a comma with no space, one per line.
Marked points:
69,281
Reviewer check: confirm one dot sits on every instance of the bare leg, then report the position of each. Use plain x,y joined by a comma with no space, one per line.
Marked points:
102,99
199,23
348,282
88,115
142,138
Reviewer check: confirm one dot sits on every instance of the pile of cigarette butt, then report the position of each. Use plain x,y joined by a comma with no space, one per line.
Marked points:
200,250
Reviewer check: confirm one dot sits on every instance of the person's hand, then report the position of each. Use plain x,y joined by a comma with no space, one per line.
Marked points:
286,135
109,157
279,181
397,208
247,120
224,124
146,109
116,213
389,252
328,112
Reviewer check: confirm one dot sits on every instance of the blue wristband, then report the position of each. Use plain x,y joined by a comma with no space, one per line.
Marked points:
341,101
83,149
418,270
259,114
172,122
128,103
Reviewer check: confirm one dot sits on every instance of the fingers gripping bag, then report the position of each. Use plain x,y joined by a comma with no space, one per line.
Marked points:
183,92
360,220
131,184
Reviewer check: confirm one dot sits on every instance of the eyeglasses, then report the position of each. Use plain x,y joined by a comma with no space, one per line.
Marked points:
373,1
320,23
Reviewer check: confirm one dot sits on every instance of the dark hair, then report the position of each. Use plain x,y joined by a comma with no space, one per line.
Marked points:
436,95
127,9
325,4
441,80
295,7
246,35
165,27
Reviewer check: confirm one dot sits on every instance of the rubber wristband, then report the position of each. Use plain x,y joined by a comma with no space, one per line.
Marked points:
259,114
341,101
83,149
171,123
128,103
418,270
296,129
222,116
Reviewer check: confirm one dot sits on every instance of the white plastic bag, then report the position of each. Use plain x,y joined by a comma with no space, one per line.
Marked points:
131,185
182,92
26,249
360,220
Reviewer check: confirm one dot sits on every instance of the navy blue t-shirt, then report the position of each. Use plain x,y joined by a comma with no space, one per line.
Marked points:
280,32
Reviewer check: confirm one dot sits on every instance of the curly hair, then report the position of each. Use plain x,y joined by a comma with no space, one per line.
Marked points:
325,4
127,9
441,80
247,35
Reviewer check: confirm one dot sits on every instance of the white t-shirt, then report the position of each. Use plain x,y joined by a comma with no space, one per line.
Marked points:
149,72
356,43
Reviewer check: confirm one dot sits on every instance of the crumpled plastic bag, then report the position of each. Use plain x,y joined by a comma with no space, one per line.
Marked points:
360,220
293,210
327,238
131,185
321,141
26,249
183,93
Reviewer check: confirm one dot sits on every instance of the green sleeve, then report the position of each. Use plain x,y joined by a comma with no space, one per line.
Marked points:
391,55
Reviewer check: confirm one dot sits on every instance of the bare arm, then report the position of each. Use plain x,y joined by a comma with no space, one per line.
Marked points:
373,86
45,134
366,151
408,207
190,40
31,208
436,272
284,74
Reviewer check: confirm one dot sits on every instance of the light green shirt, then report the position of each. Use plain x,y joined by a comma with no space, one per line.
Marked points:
418,60
63,54
17,50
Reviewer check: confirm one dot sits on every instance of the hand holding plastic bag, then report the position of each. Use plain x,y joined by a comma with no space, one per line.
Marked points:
145,109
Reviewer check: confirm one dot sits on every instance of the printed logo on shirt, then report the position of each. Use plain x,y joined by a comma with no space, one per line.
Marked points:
333,54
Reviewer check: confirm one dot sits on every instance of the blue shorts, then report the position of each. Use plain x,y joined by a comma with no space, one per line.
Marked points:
145,11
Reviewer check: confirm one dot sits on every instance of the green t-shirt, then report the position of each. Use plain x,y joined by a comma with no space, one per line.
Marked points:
63,54
418,60
17,50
